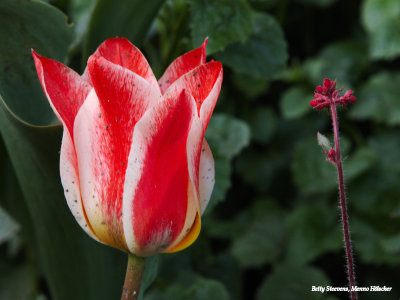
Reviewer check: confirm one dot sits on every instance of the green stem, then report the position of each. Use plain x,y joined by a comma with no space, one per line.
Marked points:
133,277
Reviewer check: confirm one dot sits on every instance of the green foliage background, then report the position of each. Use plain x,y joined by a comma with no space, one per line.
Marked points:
272,228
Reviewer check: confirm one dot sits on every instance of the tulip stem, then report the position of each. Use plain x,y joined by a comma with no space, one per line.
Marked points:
133,277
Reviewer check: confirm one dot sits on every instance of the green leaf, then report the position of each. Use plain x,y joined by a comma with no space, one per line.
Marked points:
391,244
262,242
320,3
250,86
359,162
344,61
381,21
192,287
16,283
80,11
378,99
311,172
295,102
292,283
263,54
227,136
25,25
149,274
263,123
8,226
74,266
222,21
372,245
125,18
313,229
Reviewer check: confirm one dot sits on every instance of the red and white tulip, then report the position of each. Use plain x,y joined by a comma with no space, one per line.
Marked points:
136,170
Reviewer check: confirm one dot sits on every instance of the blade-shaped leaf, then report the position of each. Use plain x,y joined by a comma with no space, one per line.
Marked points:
125,18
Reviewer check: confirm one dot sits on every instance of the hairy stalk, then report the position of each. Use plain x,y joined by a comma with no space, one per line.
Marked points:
343,204
133,277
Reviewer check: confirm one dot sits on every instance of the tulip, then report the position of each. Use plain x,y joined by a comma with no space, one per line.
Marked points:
136,170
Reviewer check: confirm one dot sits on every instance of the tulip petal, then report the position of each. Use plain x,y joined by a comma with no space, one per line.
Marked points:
182,65
206,175
200,82
204,84
103,134
64,88
159,200
121,52
70,182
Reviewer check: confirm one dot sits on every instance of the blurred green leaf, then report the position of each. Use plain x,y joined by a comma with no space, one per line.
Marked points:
80,11
295,102
16,283
263,123
262,241
320,3
313,229
374,193
227,136
8,226
311,172
381,21
359,162
391,244
263,54
222,21
292,283
343,61
371,243
125,18
195,288
250,86
378,99
25,25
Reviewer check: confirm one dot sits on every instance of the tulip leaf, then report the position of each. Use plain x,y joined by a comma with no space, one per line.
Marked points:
8,226
227,21
16,283
150,273
264,54
25,25
74,266
130,19
381,21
